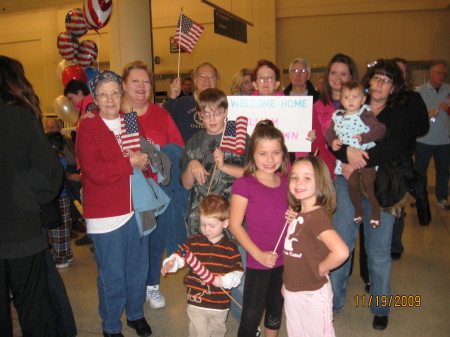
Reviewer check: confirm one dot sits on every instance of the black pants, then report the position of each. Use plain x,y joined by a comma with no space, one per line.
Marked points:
27,279
262,290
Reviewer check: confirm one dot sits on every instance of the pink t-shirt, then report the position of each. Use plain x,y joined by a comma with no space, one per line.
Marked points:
264,215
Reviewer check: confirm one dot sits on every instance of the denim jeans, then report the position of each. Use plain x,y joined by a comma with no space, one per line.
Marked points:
238,292
156,250
122,261
378,248
441,155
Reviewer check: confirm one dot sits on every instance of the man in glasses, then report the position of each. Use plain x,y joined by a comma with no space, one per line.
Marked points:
299,74
184,110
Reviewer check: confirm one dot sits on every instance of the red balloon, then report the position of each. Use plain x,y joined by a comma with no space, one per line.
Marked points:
74,72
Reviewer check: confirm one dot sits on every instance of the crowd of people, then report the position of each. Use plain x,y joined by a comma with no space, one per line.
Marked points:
273,229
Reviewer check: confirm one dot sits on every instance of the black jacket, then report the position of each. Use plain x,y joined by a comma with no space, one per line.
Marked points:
30,176
311,91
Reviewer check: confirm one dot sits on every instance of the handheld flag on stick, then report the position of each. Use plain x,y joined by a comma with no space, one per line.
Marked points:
233,139
234,135
130,132
197,267
187,34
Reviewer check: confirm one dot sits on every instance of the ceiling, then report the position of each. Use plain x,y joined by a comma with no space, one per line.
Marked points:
8,6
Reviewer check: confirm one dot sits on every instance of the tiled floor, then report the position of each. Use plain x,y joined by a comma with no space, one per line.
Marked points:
423,271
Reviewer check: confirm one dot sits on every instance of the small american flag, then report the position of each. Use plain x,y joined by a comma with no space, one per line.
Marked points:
190,33
234,136
130,132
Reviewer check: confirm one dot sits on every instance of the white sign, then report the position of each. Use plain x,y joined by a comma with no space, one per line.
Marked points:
292,115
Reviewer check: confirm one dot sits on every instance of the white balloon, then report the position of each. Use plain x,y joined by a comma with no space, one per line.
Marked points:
63,65
65,109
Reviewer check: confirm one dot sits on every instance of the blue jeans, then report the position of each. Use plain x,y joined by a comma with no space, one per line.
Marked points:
156,251
122,261
441,155
378,248
238,292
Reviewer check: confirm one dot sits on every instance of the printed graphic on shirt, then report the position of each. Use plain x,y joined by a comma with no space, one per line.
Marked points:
291,244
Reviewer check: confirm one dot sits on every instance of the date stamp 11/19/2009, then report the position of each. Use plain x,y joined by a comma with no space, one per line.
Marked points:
400,301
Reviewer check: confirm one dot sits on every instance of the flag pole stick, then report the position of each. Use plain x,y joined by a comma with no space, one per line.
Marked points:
179,42
224,291
215,165
281,235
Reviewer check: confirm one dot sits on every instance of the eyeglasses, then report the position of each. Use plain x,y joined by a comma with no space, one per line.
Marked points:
383,81
263,79
216,113
301,71
207,76
103,96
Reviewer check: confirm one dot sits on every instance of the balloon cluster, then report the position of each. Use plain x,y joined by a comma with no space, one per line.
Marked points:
78,56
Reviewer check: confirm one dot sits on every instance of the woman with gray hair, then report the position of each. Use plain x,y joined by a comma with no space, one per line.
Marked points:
120,252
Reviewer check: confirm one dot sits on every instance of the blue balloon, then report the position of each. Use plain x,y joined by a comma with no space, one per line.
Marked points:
90,72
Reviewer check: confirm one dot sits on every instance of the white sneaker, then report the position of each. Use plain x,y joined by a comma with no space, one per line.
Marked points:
443,204
155,298
62,265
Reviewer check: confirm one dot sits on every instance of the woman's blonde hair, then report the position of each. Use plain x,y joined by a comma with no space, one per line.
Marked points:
137,65
325,193
238,78
265,130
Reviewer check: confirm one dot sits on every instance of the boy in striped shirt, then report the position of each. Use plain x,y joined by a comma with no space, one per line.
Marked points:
208,305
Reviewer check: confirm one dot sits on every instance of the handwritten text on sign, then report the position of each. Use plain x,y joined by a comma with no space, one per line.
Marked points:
291,114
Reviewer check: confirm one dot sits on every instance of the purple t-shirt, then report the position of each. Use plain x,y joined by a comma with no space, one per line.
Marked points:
264,215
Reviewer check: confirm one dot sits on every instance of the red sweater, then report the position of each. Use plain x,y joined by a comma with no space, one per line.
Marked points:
158,127
105,171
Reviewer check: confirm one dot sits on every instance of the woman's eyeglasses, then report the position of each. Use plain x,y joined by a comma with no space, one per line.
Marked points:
103,96
383,81
263,79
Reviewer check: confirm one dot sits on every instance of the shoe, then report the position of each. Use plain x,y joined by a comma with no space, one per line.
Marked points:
62,265
259,332
443,204
396,256
380,322
413,204
155,298
73,235
70,260
375,224
79,226
367,288
141,326
105,334
83,241
358,220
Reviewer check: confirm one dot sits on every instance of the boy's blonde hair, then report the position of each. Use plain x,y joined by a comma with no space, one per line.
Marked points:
325,193
212,98
215,206
265,130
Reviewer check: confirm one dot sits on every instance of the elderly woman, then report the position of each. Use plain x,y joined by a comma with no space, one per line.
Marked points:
120,253
388,101
158,127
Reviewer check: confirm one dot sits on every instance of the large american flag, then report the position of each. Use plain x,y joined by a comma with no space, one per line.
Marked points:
234,136
190,33
130,132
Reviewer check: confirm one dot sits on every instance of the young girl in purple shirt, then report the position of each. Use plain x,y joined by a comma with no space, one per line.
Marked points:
260,196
